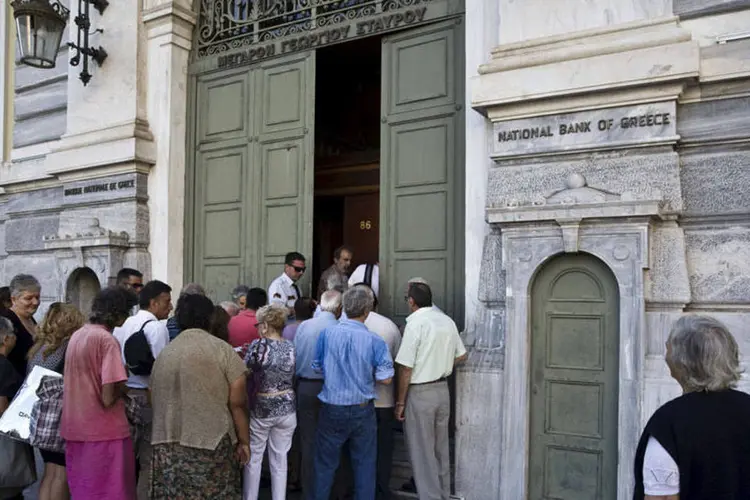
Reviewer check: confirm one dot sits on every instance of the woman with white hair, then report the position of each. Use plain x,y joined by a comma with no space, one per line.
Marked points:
273,418
24,295
697,446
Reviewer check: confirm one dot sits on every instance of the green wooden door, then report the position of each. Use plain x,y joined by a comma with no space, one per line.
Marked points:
253,175
574,381
284,156
221,176
421,170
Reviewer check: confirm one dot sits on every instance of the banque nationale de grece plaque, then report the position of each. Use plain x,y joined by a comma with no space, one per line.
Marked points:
595,129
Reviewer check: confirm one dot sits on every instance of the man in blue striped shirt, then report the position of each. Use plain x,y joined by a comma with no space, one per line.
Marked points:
352,359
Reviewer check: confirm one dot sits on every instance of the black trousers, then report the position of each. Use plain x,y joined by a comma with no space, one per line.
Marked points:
385,453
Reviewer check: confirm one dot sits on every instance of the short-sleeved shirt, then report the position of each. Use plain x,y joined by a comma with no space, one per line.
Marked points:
430,345
10,380
242,329
190,391
388,331
276,394
157,336
283,291
352,359
93,360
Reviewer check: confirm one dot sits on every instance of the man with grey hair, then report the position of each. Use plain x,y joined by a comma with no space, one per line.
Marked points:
230,307
430,348
189,289
239,296
310,382
352,360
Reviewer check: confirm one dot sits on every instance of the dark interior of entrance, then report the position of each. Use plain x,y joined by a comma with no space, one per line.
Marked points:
347,152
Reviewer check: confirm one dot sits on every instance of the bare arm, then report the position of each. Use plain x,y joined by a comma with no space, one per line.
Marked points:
4,404
668,497
386,381
461,359
112,392
404,379
238,409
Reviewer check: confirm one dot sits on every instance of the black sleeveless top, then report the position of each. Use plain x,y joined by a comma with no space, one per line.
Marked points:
708,436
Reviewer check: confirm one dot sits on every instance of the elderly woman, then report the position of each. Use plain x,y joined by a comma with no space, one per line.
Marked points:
239,296
198,388
697,447
273,416
58,325
24,295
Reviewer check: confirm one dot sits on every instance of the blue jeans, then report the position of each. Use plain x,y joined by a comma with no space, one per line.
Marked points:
338,425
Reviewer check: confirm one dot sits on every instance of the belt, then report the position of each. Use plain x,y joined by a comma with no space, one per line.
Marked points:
274,394
442,379
358,405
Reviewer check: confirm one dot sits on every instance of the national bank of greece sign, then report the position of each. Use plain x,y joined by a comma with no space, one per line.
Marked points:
586,130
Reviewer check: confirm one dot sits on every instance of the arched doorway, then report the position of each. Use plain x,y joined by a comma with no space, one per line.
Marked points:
82,287
574,380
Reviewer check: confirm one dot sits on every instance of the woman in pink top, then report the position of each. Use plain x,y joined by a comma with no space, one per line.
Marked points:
98,449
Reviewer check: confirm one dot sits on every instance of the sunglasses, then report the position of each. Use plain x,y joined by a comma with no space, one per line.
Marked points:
299,269
137,286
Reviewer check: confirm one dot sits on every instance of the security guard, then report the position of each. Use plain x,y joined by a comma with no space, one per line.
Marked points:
283,290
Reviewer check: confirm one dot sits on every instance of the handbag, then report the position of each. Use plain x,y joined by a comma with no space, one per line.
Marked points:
46,416
17,467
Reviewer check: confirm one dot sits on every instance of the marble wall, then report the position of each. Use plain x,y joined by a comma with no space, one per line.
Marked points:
563,60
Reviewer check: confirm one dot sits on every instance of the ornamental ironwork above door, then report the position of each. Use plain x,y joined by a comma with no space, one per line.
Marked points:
231,25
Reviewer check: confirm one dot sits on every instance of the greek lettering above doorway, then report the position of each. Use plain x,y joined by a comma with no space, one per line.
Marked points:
234,33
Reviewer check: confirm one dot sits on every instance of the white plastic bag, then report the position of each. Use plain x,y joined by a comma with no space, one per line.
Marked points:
15,422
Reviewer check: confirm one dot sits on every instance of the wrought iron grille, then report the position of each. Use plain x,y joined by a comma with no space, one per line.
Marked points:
232,24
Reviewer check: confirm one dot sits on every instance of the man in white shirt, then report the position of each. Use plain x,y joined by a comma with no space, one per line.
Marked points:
430,349
284,290
155,301
365,271
388,331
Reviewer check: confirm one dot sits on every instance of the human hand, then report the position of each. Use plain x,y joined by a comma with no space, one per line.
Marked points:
242,453
398,412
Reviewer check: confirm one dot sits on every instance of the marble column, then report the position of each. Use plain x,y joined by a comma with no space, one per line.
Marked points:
169,27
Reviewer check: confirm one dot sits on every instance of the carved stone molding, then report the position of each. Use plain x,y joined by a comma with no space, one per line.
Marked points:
88,246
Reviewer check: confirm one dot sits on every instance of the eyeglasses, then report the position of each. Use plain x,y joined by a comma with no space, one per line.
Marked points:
299,269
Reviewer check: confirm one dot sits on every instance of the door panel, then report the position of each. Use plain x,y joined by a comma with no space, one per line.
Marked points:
253,172
284,161
421,170
221,171
574,381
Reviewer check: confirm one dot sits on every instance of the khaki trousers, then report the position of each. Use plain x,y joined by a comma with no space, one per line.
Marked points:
426,427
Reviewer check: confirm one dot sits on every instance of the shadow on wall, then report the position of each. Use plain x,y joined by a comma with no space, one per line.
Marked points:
82,287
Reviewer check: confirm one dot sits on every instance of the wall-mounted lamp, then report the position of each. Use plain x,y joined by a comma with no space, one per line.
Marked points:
40,26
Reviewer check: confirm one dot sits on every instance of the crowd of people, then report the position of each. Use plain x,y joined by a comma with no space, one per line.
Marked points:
184,404
166,402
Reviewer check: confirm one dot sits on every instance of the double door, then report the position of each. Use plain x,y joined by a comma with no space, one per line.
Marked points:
251,188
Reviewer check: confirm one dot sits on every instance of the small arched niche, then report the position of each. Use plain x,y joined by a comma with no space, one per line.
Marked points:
81,288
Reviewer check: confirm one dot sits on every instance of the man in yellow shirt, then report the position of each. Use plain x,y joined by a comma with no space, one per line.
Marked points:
430,348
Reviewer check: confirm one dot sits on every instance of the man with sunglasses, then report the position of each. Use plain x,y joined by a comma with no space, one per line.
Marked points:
130,279
283,290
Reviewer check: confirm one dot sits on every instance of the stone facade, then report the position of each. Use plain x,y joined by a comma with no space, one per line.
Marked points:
93,178
661,205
